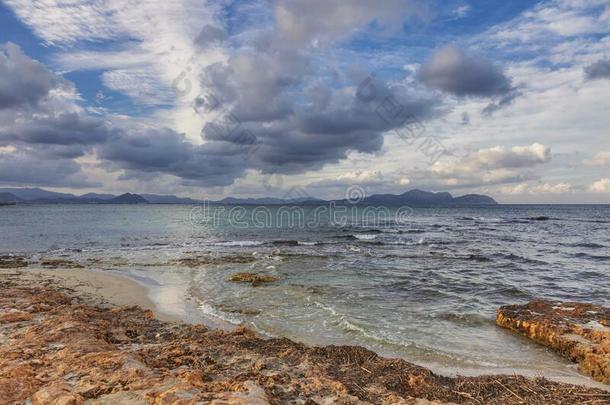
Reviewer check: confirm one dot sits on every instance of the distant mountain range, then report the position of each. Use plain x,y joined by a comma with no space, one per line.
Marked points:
419,198
414,198
40,196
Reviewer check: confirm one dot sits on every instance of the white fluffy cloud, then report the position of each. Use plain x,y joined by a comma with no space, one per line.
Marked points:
544,188
362,177
496,158
600,159
600,186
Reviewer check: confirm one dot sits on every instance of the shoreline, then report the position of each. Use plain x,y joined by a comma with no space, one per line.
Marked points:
192,314
102,293
96,287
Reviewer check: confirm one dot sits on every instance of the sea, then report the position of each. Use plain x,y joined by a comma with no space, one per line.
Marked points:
421,284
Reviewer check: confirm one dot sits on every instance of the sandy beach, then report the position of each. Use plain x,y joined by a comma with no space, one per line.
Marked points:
96,288
80,336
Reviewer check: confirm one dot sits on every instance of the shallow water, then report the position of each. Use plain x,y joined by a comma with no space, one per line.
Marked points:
422,284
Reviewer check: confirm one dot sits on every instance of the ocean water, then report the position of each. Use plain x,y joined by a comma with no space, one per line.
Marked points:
422,284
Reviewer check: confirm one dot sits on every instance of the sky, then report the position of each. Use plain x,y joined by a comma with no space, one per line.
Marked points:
293,98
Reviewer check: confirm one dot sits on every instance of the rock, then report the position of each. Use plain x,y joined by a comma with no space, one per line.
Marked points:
60,264
14,316
253,278
12,262
56,394
577,331
197,261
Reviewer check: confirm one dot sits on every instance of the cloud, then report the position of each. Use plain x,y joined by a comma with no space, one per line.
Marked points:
22,79
270,81
461,11
598,70
455,71
484,167
141,153
600,159
502,102
210,35
303,21
140,84
301,118
361,177
532,189
600,186
551,21
58,128
26,169
55,21
497,157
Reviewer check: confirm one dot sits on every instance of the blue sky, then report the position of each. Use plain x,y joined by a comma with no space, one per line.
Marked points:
513,94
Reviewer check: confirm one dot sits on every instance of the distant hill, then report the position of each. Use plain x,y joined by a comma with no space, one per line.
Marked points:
30,194
9,198
413,197
474,199
169,199
268,201
419,198
96,196
127,198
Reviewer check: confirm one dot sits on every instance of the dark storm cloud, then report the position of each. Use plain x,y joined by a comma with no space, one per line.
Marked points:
598,70
26,169
298,122
22,79
502,102
167,152
455,71
210,35
63,128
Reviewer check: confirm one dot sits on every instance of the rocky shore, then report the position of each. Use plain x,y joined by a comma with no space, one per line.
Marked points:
62,346
577,331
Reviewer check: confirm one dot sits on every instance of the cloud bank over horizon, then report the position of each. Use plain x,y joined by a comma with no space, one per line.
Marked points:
215,98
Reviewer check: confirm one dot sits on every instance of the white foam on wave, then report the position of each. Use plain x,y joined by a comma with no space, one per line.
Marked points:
214,313
239,243
366,236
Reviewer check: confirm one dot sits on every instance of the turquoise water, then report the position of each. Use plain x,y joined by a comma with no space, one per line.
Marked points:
422,284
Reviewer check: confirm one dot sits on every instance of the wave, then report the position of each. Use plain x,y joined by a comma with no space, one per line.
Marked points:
483,219
540,218
520,259
582,255
587,245
211,311
358,237
239,243
366,236
468,320
285,242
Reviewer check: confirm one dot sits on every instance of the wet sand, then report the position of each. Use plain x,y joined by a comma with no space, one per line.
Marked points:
95,287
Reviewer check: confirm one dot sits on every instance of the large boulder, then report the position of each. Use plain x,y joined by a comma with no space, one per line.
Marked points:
580,332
